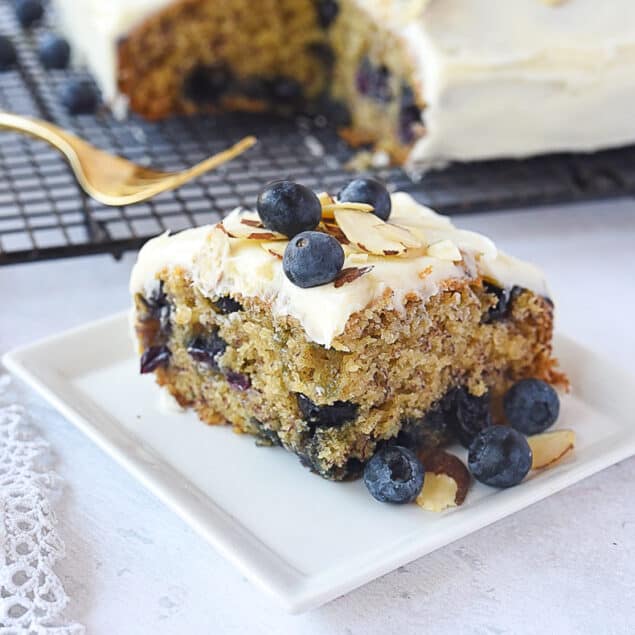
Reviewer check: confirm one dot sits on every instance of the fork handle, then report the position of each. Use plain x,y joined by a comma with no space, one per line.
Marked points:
31,126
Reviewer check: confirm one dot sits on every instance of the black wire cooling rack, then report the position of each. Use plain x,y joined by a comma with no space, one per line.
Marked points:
44,214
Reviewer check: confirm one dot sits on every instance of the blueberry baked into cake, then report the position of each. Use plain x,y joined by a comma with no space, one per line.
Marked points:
426,81
343,327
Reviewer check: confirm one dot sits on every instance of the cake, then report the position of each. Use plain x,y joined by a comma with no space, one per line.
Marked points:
427,81
333,325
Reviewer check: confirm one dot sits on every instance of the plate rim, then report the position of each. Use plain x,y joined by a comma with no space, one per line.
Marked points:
295,592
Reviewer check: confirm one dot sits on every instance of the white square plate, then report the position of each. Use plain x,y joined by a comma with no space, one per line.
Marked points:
302,539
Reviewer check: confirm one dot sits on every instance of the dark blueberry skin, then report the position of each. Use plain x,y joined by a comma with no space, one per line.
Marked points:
409,115
373,81
207,84
8,56
499,456
312,259
158,308
207,349
531,406
227,305
505,299
327,11
239,381
54,51
289,208
153,358
427,432
467,415
331,416
369,191
394,475
79,97
28,12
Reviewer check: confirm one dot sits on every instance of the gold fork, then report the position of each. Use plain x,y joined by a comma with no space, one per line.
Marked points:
110,179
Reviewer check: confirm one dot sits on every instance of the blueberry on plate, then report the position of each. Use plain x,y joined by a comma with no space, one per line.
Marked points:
369,191
499,456
8,56
154,357
79,96
531,406
28,12
394,475
467,415
54,51
312,258
289,208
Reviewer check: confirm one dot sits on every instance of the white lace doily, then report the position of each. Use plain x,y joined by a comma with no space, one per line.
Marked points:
32,598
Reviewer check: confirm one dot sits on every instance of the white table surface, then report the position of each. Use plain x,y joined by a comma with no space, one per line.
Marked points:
565,565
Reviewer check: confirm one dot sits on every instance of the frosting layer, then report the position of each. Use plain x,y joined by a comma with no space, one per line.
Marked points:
220,265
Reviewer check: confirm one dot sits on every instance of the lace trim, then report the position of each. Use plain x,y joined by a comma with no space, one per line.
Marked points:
32,597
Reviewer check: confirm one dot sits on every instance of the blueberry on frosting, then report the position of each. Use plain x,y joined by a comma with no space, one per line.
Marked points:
369,191
312,259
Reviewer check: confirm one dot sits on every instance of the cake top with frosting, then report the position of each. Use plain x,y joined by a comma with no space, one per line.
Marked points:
358,258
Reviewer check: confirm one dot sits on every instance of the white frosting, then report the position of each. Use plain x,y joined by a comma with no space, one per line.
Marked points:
500,78
220,265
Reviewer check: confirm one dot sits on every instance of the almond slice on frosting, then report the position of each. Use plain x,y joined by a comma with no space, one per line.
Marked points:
361,228
249,226
400,234
328,209
444,250
274,247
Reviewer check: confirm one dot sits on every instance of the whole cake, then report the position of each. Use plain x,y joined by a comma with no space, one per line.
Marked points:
426,81
332,325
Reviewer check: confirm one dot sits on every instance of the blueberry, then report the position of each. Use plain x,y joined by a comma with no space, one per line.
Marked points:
370,191
467,415
312,258
207,348
409,115
328,416
28,12
322,52
239,381
327,11
207,84
154,357
394,475
79,96
158,308
499,456
8,56
531,406
426,432
54,51
226,305
373,81
504,300
289,208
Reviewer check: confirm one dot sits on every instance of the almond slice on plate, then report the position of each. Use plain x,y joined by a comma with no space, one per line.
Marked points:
550,447
249,226
445,483
444,250
361,229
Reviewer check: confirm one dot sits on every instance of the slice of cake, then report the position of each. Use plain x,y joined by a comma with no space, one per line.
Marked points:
426,81
331,325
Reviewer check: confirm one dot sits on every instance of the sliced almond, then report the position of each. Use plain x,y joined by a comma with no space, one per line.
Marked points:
356,257
446,481
274,247
361,229
350,274
400,234
550,447
248,225
335,231
444,250
325,198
